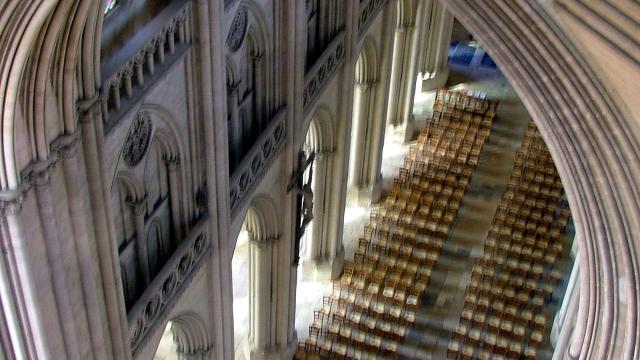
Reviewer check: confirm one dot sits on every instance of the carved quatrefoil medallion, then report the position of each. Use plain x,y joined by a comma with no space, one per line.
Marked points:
137,142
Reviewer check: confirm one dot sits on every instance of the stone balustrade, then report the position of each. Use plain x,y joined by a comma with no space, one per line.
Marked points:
323,71
257,161
368,11
163,292
131,71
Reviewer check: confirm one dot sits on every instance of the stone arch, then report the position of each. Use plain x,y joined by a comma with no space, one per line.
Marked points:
262,220
258,37
367,64
231,72
321,134
165,131
129,182
577,118
190,334
28,61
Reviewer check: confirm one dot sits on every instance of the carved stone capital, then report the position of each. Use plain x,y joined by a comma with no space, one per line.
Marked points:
67,145
11,201
87,104
172,162
150,48
139,59
138,205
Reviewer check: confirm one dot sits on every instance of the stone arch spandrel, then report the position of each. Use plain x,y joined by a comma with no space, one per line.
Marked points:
597,158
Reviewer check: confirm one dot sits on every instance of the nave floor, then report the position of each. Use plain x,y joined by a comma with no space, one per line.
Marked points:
445,294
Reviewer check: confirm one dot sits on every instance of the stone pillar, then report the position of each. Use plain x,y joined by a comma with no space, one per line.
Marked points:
400,75
54,250
259,92
361,112
174,196
565,320
110,287
235,127
260,298
35,322
434,69
73,166
325,255
139,211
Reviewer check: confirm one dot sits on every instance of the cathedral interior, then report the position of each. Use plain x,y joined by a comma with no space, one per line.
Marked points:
319,179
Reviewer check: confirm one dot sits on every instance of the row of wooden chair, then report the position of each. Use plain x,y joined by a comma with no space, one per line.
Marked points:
372,306
504,315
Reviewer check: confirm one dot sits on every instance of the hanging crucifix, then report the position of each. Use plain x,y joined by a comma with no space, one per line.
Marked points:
304,198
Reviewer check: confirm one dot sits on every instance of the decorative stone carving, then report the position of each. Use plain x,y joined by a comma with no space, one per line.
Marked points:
323,71
238,29
142,60
158,299
368,12
260,157
138,139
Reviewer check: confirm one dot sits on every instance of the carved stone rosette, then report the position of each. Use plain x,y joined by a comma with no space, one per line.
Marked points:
137,142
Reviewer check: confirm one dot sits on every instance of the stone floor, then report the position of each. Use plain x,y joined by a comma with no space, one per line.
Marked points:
240,279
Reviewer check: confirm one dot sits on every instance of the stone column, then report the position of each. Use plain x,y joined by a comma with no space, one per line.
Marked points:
260,298
324,255
434,69
400,75
42,176
317,227
565,320
259,92
361,111
139,211
92,137
73,166
174,196
28,293
235,127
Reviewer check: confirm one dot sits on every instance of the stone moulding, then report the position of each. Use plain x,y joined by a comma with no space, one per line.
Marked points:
135,68
255,164
368,11
155,304
321,73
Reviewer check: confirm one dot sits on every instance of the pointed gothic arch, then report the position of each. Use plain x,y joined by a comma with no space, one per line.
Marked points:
190,334
262,220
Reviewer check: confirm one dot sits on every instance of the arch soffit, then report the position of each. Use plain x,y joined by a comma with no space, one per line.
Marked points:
367,63
406,10
321,131
262,220
578,119
131,184
28,30
190,333
165,131
258,34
